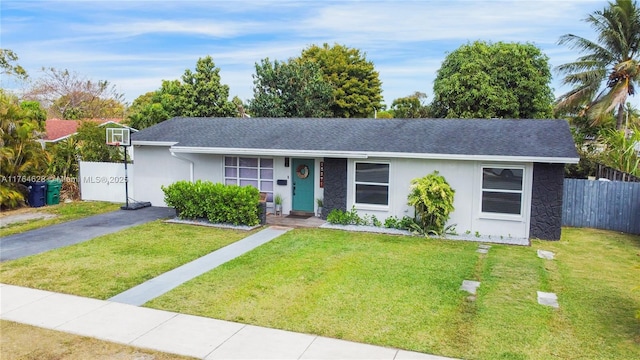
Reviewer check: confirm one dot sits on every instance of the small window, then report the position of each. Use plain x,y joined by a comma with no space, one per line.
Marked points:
502,190
372,183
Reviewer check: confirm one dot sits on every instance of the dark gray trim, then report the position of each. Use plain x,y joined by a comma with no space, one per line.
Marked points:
335,185
546,201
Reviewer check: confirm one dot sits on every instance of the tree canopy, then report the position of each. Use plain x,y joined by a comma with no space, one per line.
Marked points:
609,70
412,106
290,89
493,80
9,66
357,89
200,93
69,95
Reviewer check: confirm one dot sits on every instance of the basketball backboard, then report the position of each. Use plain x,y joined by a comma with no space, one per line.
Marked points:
118,136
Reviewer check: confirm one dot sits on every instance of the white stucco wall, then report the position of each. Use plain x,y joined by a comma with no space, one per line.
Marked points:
465,177
155,166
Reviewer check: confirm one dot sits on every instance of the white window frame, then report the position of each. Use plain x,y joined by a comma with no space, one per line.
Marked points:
356,183
523,187
258,168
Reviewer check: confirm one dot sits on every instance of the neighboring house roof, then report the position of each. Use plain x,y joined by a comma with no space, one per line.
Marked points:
58,129
519,140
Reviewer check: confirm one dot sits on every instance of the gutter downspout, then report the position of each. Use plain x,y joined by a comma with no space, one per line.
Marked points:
187,160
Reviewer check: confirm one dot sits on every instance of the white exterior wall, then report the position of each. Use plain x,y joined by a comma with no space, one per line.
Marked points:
156,167
465,177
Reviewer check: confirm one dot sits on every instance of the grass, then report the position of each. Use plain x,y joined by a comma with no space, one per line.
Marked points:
403,292
387,290
113,263
24,342
64,212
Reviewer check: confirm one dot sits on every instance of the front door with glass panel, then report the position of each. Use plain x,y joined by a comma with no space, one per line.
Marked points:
302,185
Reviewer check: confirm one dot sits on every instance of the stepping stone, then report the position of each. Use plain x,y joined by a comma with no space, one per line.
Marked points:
543,254
484,246
548,299
470,286
482,251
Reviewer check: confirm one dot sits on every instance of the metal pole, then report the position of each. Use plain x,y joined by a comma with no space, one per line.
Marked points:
126,178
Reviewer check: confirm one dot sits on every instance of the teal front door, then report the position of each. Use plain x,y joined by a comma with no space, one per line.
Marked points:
302,185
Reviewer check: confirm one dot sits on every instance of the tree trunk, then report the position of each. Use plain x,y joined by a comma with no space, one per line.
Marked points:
620,123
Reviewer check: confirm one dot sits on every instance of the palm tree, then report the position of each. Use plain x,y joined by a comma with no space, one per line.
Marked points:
609,71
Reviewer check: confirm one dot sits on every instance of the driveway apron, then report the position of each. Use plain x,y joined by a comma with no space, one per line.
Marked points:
76,231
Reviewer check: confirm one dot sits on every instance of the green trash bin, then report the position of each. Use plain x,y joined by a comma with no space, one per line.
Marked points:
53,192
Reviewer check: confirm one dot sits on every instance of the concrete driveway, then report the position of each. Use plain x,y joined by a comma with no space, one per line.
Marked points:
76,231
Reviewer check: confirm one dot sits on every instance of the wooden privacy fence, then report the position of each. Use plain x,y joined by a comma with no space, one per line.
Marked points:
611,205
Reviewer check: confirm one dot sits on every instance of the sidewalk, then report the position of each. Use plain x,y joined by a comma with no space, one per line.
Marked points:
166,282
175,333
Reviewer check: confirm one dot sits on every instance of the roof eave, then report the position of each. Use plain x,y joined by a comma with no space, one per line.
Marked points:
153,143
365,154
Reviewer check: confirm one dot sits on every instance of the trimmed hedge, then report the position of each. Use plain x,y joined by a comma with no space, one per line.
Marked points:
218,203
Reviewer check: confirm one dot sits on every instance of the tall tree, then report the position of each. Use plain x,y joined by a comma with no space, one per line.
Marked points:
609,70
410,107
202,93
493,80
357,89
69,95
290,89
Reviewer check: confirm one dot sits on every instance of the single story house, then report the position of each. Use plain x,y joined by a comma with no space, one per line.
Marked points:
507,174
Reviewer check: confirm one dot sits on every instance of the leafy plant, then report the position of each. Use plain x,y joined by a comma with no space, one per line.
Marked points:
620,150
217,203
277,199
320,202
432,198
340,217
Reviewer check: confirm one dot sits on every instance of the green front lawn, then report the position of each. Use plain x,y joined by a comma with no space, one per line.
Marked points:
64,212
396,291
404,292
110,264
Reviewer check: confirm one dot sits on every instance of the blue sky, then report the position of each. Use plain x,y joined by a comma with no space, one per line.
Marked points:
136,44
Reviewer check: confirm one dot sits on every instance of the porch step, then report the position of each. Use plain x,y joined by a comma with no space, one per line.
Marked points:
301,213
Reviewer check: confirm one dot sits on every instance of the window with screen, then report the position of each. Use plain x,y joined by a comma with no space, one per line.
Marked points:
372,183
502,190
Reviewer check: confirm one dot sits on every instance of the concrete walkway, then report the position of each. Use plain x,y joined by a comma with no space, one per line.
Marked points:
77,231
163,283
170,332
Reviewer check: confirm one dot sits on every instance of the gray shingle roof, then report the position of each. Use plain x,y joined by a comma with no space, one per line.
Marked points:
527,138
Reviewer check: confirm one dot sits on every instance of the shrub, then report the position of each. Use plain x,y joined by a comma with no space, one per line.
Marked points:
432,198
217,203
